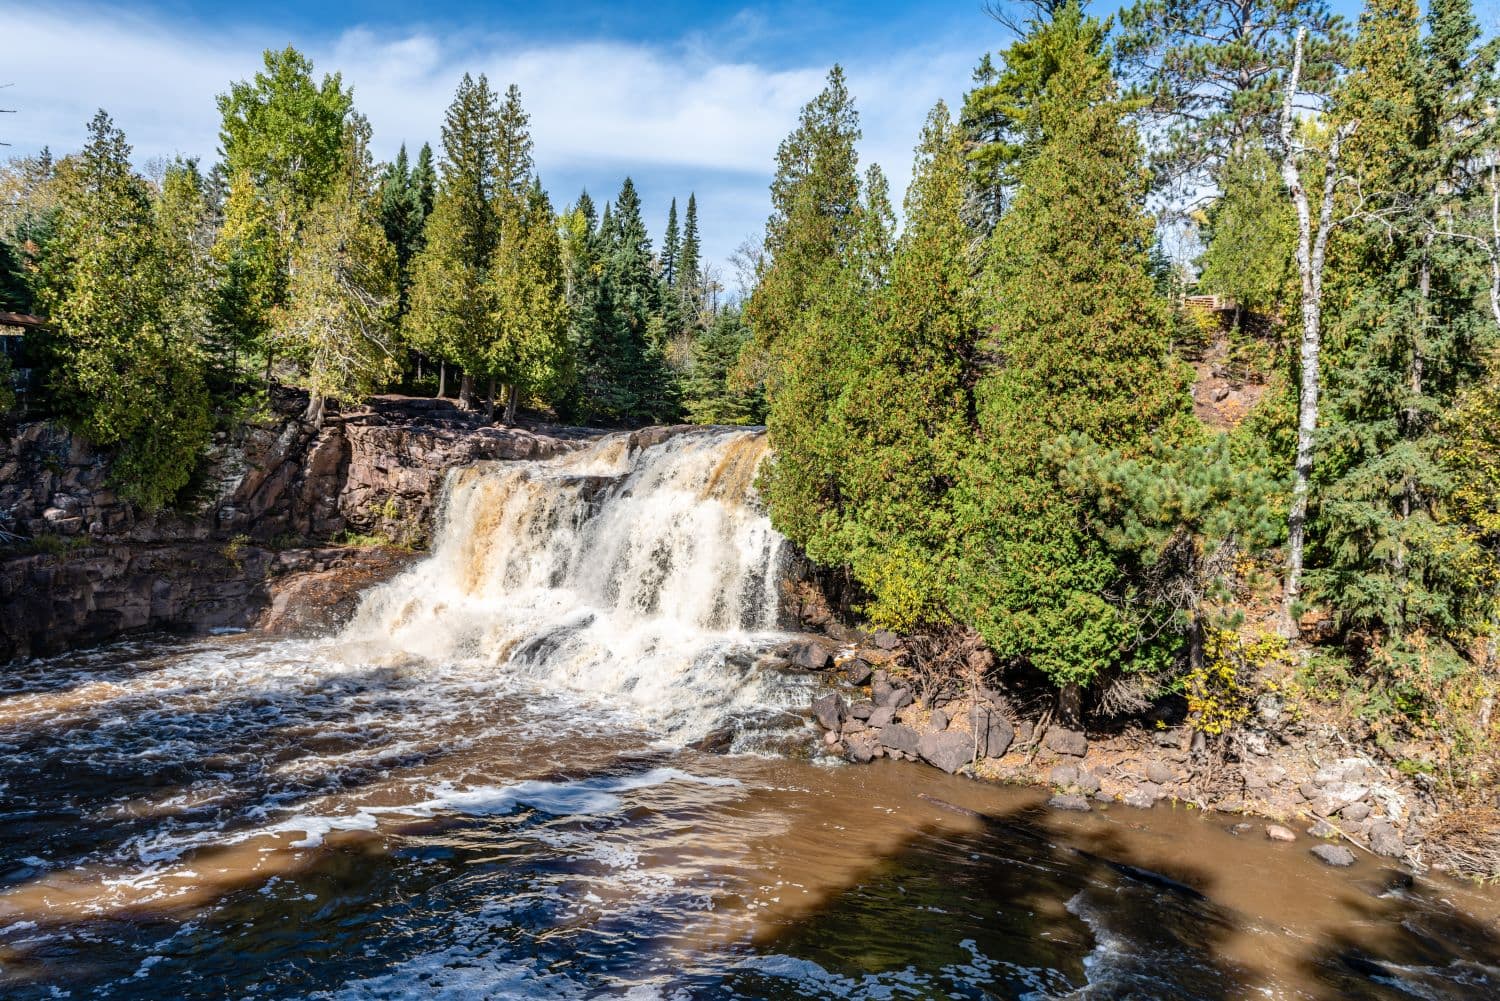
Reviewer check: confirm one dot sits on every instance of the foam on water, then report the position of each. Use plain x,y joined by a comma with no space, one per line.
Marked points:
647,576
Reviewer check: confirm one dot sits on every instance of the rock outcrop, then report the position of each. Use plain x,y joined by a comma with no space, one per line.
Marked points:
79,564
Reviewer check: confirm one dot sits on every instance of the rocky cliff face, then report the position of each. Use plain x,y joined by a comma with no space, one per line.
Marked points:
81,565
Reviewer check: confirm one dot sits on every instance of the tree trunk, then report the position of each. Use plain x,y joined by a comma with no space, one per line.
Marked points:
316,403
442,379
1312,248
270,356
489,403
512,402
1070,705
466,392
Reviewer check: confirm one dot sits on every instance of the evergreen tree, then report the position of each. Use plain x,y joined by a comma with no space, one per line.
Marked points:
1078,349
127,369
340,320
708,396
1251,238
904,411
451,309
529,350
1383,554
402,216
424,182
689,265
670,246
814,218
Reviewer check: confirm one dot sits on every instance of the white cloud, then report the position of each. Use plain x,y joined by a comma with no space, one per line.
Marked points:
600,109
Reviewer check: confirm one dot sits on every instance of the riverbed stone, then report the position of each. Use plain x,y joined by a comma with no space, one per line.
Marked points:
1088,782
830,710
900,699
857,671
1140,797
1070,742
1278,833
897,737
860,747
1077,804
1384,839
884,639
948,750
1322,829
1355,812
994,731
881,689
862,709
809,655
881,717
1063,776
1160,772
938,722
1334,855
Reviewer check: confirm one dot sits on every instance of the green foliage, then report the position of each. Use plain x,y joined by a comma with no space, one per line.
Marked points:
1251,236
283,140
708,396
339,322
130,315
1079,342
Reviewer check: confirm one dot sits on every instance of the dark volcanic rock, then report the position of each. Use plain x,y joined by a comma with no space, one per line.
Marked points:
995,732
862,709
1334,855
808,654
830,710
1076,803
1069,742
900,738
857,672
949,750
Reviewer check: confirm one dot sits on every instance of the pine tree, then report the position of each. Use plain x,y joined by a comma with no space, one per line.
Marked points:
340,320
1077,358
708,396
127,369
402,217
424,181
451,310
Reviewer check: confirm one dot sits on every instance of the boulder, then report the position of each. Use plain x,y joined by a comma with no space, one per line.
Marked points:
938,722
881,717
900,738
1355,812
884,639
1322,829
862,709
880,690
1140,797
949,750
995,732
1384,840
830,710
1278,833
900,698
1063,776
857,671
1077,804
1334,855
1070,742
861,747
1160,772
1088,782
808,654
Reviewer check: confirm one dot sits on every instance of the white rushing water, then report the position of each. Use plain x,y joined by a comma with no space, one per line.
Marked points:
642,573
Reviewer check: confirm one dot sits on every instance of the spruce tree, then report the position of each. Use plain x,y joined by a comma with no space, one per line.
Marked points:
670,245
424,182
527,286
689,264
451,310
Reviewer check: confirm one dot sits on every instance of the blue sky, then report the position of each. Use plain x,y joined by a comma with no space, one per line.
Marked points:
680,96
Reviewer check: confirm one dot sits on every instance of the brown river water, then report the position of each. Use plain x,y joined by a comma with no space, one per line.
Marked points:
484,787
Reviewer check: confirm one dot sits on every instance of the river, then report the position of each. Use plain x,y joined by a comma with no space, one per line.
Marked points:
486,786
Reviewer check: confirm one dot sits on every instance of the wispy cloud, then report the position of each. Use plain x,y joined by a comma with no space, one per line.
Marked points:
677,116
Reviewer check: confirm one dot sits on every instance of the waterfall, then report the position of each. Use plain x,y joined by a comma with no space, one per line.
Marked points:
640,569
